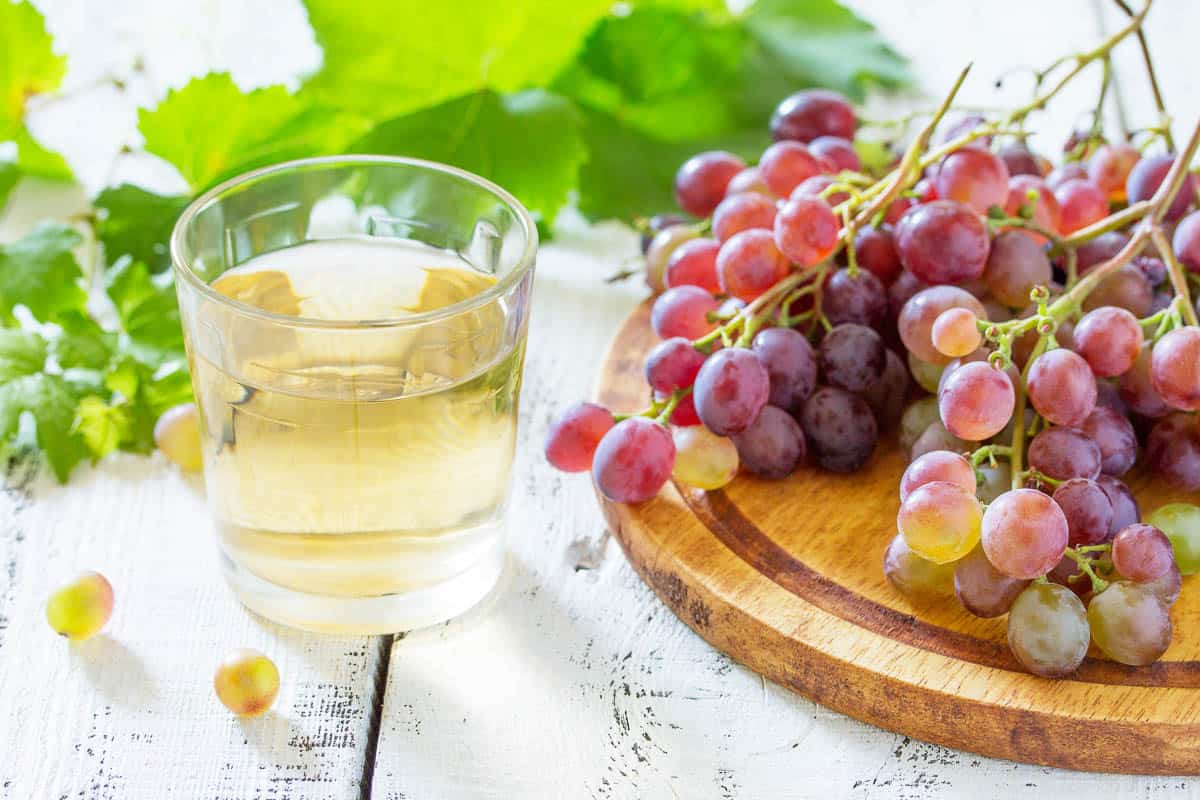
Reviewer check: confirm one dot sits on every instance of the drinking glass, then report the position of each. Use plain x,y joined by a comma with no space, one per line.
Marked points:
356,328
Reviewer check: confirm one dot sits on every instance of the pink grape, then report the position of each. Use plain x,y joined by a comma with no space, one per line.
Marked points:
1062,387
859,298
1186,241
784,165
1015,265
806,230
1173,451
1109,339
975,177
701,182
1148,174
1046,212
1137,389
956,333
816,186
748,180
791,365
977,401
1088,511
673,364
922,310
684,415
1024,533
773,444
1080,203
943,242
1125,506
1099,250
961,127
694,263
730,390
1113,433
1142,553
875,251
750,263
743,212
574,436
1019,160
1064,453
838,151
813,113
1070,171
1109,168
938,465
1175,368
982,589
1126,288
683,311
634,459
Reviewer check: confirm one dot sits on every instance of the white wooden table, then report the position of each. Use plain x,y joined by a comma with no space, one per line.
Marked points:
572,681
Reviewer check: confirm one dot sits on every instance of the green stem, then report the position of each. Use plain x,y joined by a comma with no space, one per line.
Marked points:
1085,566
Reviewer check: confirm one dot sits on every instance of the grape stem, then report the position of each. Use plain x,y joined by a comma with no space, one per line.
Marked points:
988,453
1016,452
1085,566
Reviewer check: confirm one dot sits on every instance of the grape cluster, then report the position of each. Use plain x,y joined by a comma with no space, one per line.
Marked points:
1026,327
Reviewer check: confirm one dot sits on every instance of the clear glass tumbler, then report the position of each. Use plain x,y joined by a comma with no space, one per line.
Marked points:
356,331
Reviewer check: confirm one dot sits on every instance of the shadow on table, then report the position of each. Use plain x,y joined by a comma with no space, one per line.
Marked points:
116,672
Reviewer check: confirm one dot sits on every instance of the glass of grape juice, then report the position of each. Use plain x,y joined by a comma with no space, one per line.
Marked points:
356,330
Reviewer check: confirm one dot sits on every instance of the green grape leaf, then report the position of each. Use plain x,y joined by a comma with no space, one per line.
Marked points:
9,174
104,427
140,394
390,57
50,400
136,222
527,142
21,353
28,66
631,174
82,343
40,271
148,310
211,130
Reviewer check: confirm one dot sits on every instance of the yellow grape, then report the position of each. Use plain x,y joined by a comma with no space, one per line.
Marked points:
81,608
940,521
956,332
246,682
177,435
703,459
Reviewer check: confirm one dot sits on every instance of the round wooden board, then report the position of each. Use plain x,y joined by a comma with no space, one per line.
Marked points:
786,577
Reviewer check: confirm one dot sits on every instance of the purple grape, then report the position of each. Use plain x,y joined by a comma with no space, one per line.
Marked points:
634,460
730,390
861,299
840,429
773,444
791,364
1064,453
1124,504
887,395
852,357
673,364
1147,175
1114,434
1173,451
982,589
1088,511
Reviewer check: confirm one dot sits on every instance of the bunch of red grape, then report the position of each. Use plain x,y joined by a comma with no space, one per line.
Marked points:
1045,311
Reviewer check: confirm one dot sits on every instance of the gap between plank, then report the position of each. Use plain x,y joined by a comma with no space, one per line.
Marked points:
383,660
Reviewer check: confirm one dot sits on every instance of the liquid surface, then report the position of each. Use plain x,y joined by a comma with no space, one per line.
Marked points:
362,462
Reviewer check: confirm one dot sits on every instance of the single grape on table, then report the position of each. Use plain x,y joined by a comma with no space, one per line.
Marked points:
246,682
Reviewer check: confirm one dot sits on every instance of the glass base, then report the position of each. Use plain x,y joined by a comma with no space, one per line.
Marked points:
390,613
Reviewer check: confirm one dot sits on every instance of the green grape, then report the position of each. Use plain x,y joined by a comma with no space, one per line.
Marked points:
82,607
177,435
916,577
940,521
246,682
926,375
1048,630
1130,623
1181,523
703,459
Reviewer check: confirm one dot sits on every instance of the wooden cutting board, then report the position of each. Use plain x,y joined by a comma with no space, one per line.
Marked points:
786,577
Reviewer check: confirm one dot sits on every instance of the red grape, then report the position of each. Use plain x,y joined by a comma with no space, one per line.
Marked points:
898,208
1147,175
943,242
791,365
1046,212
961,127
730,390
852,357
840,429
875,251
784,165
1019,160
976,401
1109,168
815,186
1126,288
573,437
672,365
838,151
750,263
1137,389
975,177
860,298
1186,241
1113,433
1062,387
1070,171
694,263
683,311
773,444
922,310
1088,510
1125,507
684,415
1142,553
1175,368
937,465
742,212
634,460
701,182
1109,339
806,230
748,180
982,589
1081,203
1064,453
1014,266
1099,250
1024,533
1173,451
807,115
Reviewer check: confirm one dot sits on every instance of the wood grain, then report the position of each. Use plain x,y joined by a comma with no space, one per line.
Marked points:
786,577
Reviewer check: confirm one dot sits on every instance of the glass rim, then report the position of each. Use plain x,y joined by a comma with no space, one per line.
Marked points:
524,263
